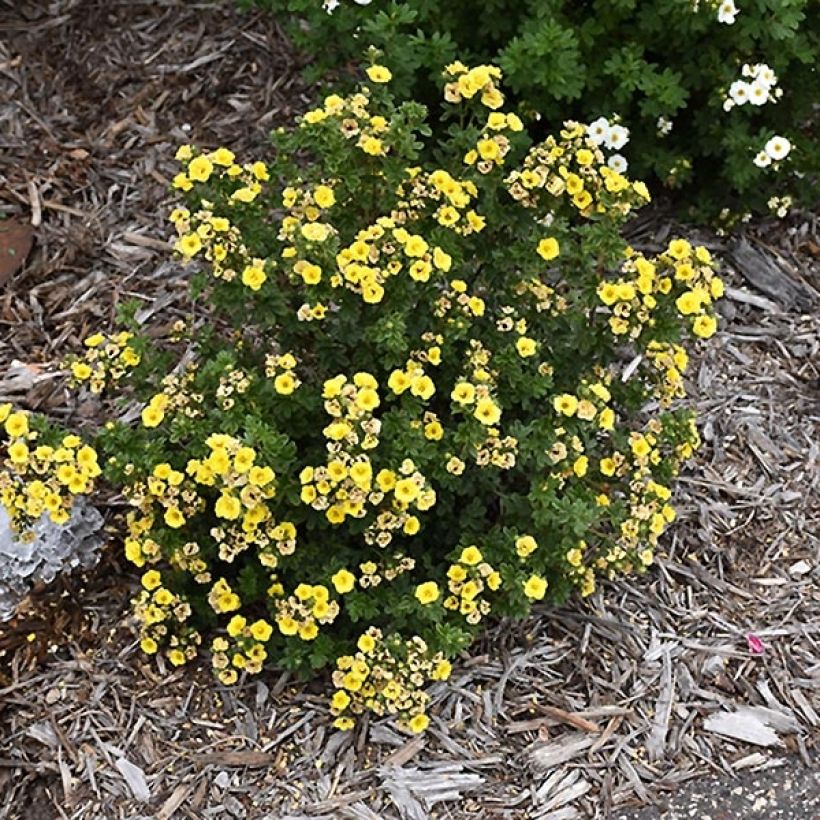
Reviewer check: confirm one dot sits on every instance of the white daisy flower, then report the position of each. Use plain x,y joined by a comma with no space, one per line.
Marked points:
618,137
727,11
618,163
739,92
778,148
598,131
762,159
758,93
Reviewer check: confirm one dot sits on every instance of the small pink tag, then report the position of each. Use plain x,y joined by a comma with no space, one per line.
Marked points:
755,644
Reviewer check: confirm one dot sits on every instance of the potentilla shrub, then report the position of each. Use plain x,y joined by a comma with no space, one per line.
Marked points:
411,397
718,98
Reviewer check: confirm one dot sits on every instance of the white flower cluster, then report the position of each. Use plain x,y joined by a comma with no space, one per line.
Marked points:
727,11
780,205
758,87
612,136
331,5
664,126
776,148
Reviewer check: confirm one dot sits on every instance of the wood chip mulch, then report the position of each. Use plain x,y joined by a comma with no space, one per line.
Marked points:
707,665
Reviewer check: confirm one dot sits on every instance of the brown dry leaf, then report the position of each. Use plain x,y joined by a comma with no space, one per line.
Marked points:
16,239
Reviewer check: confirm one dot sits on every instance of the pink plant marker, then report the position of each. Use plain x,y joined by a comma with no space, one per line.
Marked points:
756,646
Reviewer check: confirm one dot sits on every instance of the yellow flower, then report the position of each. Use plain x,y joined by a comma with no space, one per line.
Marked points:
688,302
174,518
548,248
418,723
585,157
223,156
366,643
253,277
379,74
17,425
189,245
324,196
535,587
433,431
525,545
471,556
261,630
427,592
340,700
229,507
607,466
152,416
566,404
372,146
367,399
463,393
200,169
580,466
307,632
704,326
679,249
151,579
148,645
81,371
284,384
487,412
406,490
343,581
525,346
236,626
416,246
18,453
176,656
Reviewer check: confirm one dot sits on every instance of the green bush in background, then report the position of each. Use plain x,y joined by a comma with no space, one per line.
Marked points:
663,68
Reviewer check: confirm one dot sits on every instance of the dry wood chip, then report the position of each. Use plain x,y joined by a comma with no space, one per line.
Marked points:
135,778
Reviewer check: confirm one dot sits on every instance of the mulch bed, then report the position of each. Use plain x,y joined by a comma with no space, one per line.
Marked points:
582,711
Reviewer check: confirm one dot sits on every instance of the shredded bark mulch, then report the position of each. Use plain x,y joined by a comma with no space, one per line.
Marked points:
708,665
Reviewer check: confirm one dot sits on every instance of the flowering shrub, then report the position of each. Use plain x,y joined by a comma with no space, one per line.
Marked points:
702,86
411,396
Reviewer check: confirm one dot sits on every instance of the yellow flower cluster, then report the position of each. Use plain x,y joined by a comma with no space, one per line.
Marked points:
163,618
467,578
40,479
385,676
301,613
280,369
479,81
220,243
493,146
245,653
106,360
351,117
679,272
670,362
574,168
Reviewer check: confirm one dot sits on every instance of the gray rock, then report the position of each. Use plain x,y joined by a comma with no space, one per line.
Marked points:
54,550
